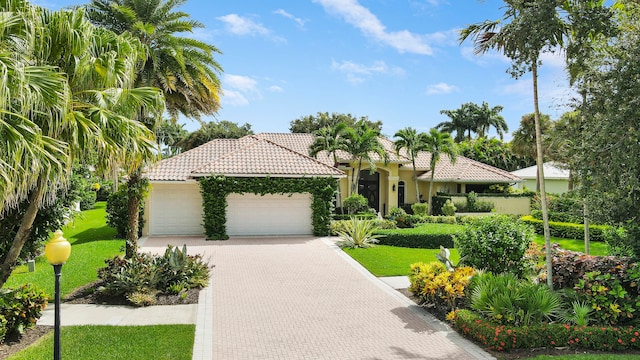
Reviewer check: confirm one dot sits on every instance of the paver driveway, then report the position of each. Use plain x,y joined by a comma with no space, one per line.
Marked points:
302,298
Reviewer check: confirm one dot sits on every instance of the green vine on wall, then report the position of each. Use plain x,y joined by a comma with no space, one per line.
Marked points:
215,189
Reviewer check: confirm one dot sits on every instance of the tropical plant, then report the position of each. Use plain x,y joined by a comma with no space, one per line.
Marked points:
461,122
214,130
525,31
310,123
358,233
438,143
183,68
329,139
355,203
412,142
91,109
487,117
363,144
507,300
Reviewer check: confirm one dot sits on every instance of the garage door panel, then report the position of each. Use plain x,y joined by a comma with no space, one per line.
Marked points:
271,214
175,209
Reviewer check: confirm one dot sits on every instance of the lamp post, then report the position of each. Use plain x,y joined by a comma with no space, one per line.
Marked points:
57,252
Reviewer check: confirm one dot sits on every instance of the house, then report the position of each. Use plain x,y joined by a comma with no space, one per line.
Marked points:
175,202
556,178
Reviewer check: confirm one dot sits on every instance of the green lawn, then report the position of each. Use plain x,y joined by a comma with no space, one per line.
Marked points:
385,260
92,241
171,342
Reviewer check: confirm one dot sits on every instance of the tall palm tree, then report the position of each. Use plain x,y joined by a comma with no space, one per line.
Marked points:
526,30
461,122
488,117
438,143
183,68
96,111
329,139
363,144
413,142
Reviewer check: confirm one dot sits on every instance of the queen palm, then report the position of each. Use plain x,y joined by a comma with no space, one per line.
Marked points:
438,143
526,30
96,108
183,68
412,142
363,144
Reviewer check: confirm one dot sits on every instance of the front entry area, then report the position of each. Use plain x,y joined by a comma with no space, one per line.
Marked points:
369,187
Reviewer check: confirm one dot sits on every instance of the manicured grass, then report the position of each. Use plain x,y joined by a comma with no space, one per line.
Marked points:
428,228
92,241
174,342
385,260
596,247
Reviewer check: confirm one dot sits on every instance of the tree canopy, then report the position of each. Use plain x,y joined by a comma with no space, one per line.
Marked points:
309,124
214,130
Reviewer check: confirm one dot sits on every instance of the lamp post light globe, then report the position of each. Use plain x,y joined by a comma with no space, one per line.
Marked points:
57,252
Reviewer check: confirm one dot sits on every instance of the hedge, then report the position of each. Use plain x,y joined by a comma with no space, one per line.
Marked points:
567,230
504,338
413,238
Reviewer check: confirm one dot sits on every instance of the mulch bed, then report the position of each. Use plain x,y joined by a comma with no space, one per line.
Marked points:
86,295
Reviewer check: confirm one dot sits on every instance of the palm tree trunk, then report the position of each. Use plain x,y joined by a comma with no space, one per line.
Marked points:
430,207
543,193
24,231
133,209
353,181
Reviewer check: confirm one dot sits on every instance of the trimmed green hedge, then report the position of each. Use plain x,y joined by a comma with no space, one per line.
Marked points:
504,338
214,190
567,230
416,238
359,216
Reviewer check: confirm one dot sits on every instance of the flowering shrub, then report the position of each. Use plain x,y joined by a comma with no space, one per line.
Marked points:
503,338
20,308
434,285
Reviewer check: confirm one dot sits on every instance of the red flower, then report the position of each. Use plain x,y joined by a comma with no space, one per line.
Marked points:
635,333
633,339
553,342
620,341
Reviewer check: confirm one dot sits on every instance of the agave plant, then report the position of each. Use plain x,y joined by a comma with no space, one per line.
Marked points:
358,233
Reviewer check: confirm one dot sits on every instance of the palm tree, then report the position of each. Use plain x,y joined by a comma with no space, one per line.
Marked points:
526,29
362,143
438,143
329,139
461,122
96,108
487,117
183,68
413,142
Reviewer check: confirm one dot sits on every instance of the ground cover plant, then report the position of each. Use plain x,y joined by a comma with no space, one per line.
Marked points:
116,342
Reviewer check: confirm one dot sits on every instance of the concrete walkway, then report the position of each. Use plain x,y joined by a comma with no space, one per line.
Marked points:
303,298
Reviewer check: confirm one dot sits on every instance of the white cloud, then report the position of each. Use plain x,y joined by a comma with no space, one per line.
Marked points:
358,73
276,89
239,89
243,26
282,12
441,88
360,17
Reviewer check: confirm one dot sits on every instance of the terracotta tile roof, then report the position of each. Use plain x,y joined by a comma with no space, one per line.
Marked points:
265,157
465,170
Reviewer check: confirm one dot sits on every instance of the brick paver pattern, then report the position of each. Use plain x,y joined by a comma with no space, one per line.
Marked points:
297,298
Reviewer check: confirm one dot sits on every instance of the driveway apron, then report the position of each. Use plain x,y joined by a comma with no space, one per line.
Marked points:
303,298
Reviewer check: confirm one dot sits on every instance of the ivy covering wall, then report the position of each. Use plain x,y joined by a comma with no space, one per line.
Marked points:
215,189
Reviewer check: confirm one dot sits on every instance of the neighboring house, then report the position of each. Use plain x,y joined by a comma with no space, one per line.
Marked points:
174,205
556,178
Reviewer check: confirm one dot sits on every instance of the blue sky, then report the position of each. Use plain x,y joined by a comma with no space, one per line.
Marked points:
398,61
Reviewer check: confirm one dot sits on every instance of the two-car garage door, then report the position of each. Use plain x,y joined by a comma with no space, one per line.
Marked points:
176,209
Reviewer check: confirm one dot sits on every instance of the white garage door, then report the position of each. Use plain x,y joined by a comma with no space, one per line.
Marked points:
271,214
175,209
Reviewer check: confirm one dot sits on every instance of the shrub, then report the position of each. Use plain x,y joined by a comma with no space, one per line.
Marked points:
568,230
436,286
437,202
417,240
496,244
88,200
146,275
358,233
507,300
618,242
406,221
396,211
118,213
3,328
355,203
448,209
420,209
21,308
366,215
436,220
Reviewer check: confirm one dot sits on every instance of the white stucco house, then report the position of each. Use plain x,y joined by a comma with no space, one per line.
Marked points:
556,178
175,203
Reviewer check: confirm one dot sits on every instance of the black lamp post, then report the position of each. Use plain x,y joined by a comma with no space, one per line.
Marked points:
57,252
